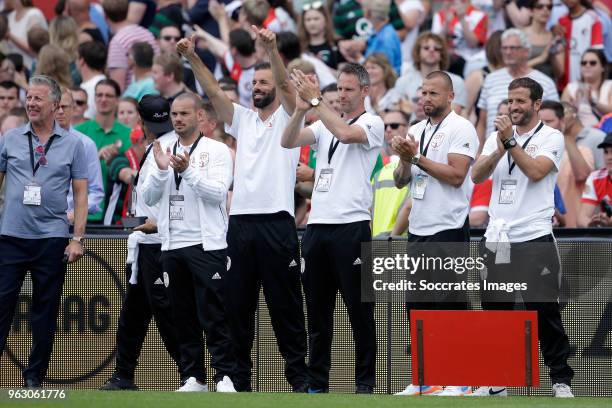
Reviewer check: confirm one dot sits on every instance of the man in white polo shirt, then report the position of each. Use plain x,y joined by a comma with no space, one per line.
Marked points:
190,184
436,165
519,244
347,147
262,239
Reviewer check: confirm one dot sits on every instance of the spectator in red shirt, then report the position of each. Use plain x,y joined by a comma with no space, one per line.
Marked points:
596,208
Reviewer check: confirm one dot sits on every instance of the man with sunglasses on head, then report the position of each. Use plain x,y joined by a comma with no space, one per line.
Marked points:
435,159
39,161
430,53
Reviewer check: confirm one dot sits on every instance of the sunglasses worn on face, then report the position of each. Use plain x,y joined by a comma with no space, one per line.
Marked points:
80,103
543,6
312,6
428,48
171,38
591,63
393,126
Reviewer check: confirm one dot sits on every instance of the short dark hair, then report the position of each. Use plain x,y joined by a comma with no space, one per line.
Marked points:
38,37
535,89
19,112
262,65
228,84
10,85
94,54
115,10
210,111
142,54
288,45
358,70
333,87
112,83
17,60
554,106
242,41
444,76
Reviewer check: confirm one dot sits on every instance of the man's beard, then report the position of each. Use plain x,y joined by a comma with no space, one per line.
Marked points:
267,99
525,118
186,132
435,111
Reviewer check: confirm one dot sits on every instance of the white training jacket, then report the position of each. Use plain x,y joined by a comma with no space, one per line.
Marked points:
209,175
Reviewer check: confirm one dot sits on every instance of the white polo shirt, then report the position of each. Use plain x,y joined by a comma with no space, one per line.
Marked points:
529,214
350,193
443,207
264,176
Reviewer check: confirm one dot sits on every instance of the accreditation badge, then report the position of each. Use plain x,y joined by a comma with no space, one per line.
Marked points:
507,193
420,185
32,194
325,180
177,207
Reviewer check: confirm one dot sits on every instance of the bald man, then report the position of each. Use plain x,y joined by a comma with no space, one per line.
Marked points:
434,159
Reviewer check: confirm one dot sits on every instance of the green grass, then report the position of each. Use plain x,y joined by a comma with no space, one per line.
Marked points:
146,399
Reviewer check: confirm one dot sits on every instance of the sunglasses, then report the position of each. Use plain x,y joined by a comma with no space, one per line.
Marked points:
591,63
171,38
394,126
312,6
79,102
543,6
43,159
428,48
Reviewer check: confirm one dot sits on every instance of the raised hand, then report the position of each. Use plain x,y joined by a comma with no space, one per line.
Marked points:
305,86
186,46
216,10
267,38
161,158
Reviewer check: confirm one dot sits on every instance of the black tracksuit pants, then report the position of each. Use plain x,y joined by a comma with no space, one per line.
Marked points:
528,263
195,285
144,300
332,253
263,251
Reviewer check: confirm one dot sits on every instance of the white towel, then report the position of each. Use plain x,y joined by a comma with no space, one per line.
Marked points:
496,236
134,239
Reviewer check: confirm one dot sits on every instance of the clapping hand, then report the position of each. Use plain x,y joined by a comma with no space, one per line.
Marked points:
406,148
180,162
306,87
161,158
504,127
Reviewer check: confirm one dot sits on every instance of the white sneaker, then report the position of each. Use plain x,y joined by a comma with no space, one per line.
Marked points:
562,391
226,385
192,385
414,390
455,391
490,392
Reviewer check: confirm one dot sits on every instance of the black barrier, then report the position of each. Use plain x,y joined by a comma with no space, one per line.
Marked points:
85,342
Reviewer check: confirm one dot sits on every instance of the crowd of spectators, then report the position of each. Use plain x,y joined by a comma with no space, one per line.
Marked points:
108,54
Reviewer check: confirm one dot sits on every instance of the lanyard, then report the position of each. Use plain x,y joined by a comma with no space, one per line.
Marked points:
177,177
424,150
49,143
333,146
142,161
511,165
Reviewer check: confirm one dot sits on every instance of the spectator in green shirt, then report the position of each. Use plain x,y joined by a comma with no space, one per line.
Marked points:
111,137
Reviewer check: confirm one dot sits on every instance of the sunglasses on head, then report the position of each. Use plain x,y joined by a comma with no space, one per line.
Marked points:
393,126
312,6
591,63
170,38
543,6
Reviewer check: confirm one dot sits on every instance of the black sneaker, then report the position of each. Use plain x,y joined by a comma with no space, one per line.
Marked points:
118,384
364,389
301,388
32,383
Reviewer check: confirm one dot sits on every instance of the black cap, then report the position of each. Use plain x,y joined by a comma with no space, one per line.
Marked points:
606,142
155,113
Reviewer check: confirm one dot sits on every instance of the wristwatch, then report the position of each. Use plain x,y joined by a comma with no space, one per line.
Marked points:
415,159
314,102
80,240
509,143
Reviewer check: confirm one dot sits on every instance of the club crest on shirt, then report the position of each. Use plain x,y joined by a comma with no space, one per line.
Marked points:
203,161
531,150
437,140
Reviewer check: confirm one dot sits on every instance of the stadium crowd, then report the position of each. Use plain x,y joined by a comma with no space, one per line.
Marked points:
187,111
